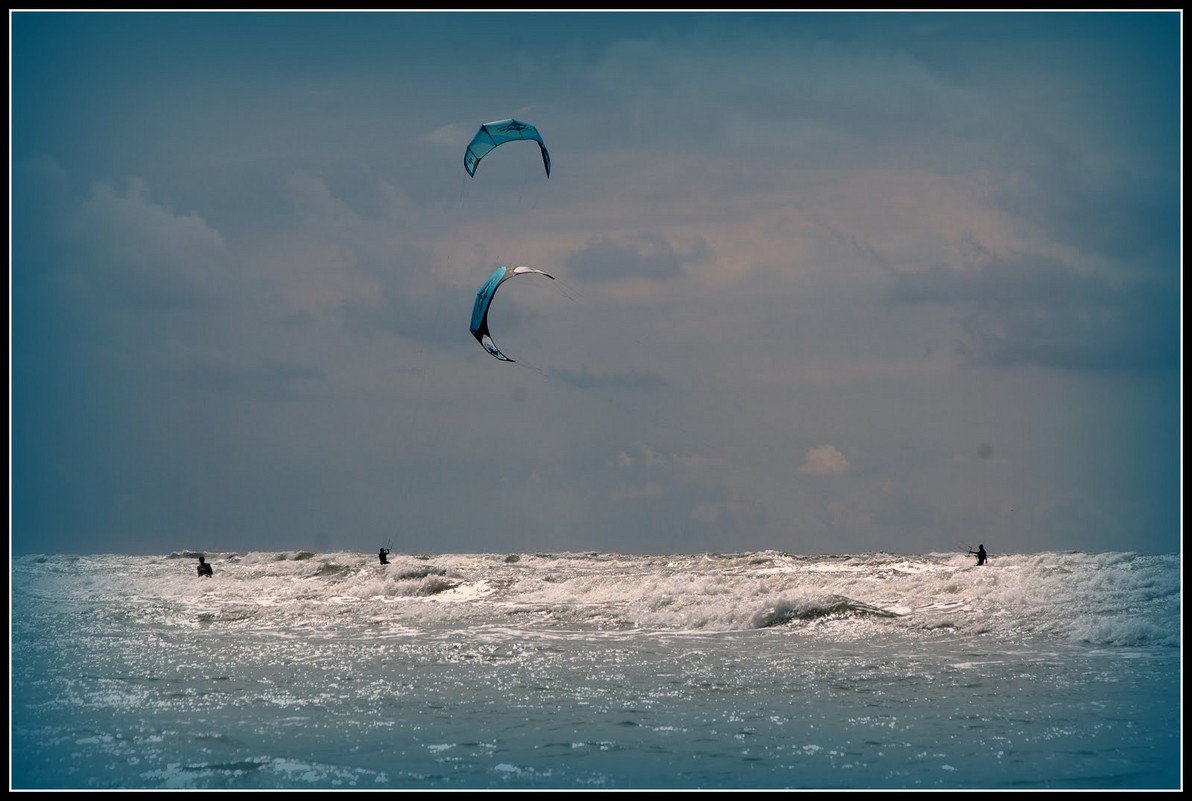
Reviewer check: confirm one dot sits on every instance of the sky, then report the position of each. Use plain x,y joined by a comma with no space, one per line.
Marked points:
824,283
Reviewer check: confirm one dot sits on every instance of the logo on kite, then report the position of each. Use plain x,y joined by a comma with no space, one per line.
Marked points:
484,299
495,134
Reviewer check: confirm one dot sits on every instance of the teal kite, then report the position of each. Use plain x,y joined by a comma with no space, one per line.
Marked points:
484,299
495,134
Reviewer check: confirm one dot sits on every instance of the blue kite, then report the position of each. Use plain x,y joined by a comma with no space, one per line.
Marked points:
495,134
484,299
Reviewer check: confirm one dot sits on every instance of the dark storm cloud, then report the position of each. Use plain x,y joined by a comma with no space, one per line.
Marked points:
1038,311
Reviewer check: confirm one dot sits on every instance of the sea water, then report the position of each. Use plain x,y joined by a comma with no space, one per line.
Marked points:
594,671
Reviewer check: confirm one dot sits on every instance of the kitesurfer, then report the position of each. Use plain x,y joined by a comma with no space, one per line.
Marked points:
384,552
980,554
204,568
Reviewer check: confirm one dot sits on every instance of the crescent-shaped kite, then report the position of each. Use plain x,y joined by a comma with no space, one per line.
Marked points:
484,299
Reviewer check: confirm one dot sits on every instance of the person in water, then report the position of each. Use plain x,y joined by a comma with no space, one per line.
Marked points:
980,553
204,568
384,552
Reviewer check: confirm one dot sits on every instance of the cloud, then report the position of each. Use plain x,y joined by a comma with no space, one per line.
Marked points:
140,253
825,460
1035,310
640,454
646,255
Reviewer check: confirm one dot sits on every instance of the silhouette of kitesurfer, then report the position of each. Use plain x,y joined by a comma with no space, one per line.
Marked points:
384,552
980,554
204,568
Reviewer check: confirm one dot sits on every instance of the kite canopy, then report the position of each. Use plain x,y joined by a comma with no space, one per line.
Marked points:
484,299
494,134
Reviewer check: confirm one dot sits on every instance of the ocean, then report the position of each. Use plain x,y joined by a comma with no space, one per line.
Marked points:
596,671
